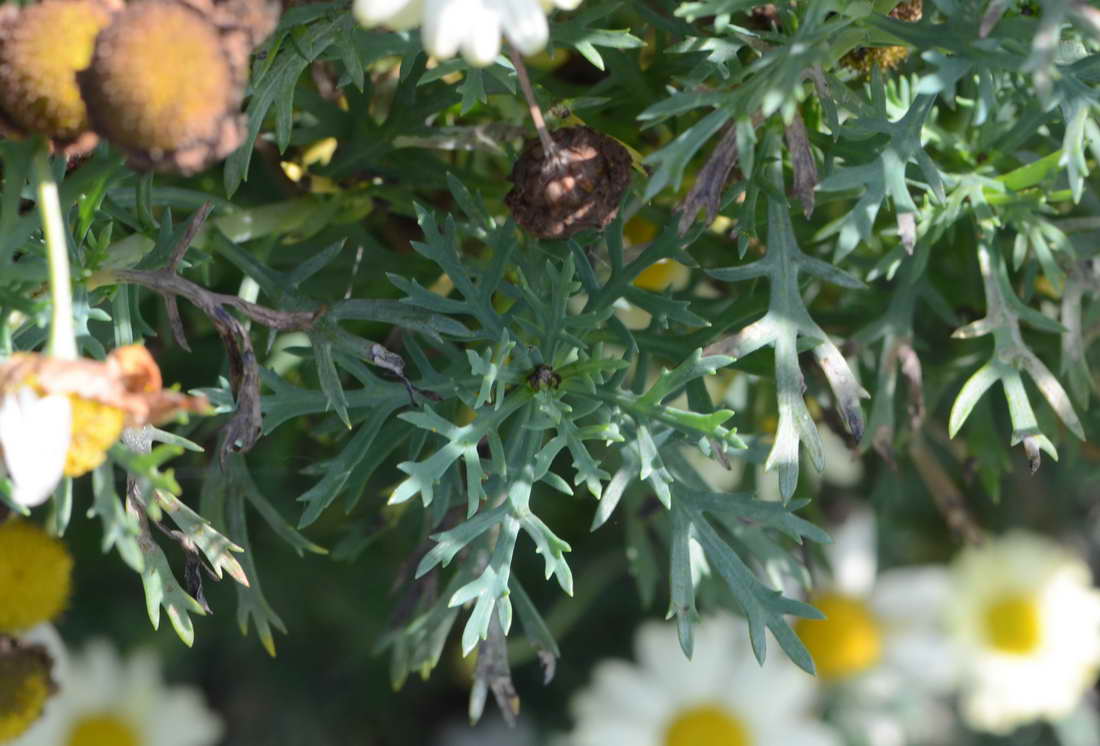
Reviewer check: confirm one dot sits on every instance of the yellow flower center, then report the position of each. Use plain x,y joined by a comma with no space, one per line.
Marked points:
658,276
24,689
1013,624
707,725
48,44
848,641
96,427
35,572
102,729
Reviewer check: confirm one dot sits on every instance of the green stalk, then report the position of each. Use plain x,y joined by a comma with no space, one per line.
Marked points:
62,341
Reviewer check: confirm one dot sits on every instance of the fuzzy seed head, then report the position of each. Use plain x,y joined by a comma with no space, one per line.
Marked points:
42,48
161,81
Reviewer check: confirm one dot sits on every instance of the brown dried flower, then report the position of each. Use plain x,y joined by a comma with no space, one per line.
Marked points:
165,85
42,46
580,186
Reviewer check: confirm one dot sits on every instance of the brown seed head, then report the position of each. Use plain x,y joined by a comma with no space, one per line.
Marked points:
42,47
578,187
164,87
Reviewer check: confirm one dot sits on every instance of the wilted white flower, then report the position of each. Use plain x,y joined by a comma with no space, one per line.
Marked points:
34,440
102,699
470,26
721,696
1026,620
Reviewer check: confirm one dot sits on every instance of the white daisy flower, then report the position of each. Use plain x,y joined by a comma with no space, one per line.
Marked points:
1026,619
102,699
34,440
470,26
883,646
721,696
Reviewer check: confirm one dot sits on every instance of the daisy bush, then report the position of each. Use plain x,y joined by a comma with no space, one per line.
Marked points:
662,372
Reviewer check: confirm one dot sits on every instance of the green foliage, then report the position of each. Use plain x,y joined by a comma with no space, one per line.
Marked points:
451,388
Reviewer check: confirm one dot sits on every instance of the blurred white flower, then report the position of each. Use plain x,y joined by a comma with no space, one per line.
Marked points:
103,700
470,26
1026,619
883,645
34,440
721,696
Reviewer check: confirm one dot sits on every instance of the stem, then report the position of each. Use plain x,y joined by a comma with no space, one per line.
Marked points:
549,148
62,342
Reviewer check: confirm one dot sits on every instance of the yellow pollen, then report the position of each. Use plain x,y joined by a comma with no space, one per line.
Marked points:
706,725
35,571
848,641
24,689
1013,625
102,729
96,427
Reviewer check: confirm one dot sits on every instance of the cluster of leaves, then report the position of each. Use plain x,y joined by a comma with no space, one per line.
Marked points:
506,387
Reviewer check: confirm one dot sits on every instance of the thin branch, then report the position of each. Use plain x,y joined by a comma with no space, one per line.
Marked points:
549,148
245,427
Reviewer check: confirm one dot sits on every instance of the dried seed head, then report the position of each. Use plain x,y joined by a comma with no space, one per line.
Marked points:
255,19
164,86
577,187
42,47
26,683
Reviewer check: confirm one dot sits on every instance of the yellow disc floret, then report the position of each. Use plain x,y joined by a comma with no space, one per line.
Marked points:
847,641
35,576
95,428
41,50
705,725
102,729
1013,624
25,685
161,79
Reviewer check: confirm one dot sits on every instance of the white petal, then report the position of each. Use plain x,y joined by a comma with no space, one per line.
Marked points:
843,465
446,25
376,12
482,43
525,25
853,554
35,433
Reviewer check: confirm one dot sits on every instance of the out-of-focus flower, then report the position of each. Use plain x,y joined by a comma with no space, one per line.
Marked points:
1026,620
35,576
29,666
890,619
882,646
662,275
472,26
105,700
721,696
60,416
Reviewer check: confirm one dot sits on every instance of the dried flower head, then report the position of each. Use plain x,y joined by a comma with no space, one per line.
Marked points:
165,85
42,47
255,19
577,187
26,684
